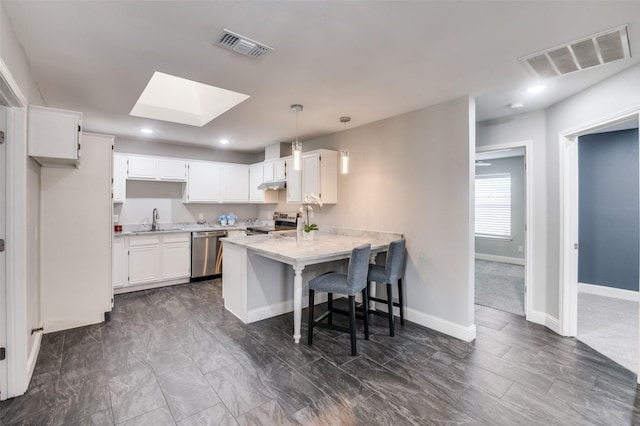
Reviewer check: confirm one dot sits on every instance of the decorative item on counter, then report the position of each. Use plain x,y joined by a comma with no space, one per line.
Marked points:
116,226
223,219
231,219
306,211
309,232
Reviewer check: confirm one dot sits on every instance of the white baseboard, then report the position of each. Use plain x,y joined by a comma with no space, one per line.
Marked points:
138,287
280,308
504,259
458,331
545,319
51,326
616,293
33,356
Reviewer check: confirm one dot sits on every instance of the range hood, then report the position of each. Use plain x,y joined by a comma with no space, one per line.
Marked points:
274,186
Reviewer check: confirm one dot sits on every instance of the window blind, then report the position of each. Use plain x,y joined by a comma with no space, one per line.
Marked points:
493,205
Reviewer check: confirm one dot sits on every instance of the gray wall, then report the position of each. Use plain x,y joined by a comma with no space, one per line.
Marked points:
609,216
412,174
617,95
162,149
502,247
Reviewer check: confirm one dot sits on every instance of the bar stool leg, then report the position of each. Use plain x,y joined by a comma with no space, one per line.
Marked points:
311,305
352,323
390,308
400,301
330,308
365,312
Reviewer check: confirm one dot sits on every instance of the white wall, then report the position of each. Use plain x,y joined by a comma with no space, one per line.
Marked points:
143,197
412,174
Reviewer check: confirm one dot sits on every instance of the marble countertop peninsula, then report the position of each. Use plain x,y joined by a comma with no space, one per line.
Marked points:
336,244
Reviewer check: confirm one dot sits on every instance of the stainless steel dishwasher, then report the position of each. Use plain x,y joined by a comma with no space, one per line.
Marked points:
206,253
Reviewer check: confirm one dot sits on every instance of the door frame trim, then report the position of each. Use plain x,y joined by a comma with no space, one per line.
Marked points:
19,363
529,232
568,164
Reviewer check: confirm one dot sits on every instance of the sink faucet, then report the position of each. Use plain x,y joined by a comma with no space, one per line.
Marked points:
154,224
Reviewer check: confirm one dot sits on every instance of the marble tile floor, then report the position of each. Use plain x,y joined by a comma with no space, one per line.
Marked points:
175,356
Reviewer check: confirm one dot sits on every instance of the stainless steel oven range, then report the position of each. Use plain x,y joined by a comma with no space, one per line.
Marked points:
282,222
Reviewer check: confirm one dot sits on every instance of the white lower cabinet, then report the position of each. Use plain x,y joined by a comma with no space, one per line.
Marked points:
176,256
119,267
146,261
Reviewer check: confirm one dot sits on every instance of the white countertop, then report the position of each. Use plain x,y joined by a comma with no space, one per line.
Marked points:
187,228
324,247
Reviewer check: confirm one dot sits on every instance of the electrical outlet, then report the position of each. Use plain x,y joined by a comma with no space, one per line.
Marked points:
520,249
200,216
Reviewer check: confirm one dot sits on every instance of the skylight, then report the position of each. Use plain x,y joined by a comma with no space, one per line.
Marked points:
178,100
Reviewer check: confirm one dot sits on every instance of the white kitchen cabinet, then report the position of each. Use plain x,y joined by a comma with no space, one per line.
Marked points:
203,183
119,178
142,168
144,259
54,137
176,256
172,170
294,183
256,178
235,183
279,169
320,175
119,266
269,171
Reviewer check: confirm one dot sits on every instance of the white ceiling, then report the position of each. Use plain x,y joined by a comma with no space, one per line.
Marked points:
367,60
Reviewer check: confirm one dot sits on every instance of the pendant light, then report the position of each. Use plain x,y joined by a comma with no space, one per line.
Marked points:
296,147
344,155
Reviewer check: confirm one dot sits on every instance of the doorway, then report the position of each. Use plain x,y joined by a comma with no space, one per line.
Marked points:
502,243
599,288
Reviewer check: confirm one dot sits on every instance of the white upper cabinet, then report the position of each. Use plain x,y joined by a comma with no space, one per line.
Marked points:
172,170
54,136
294,183
279,170
235,183
119,178
142,168
320,175
256,173
203,183
256,178
269,173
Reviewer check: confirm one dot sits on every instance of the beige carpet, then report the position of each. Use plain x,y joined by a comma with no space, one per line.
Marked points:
500,286
610,326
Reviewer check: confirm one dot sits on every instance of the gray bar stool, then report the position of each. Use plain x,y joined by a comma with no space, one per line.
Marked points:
351,283
392,272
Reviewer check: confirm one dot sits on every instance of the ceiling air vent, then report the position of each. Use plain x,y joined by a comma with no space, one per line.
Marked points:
243,45
600,49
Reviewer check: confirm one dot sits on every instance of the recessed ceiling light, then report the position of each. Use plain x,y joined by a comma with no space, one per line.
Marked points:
536,89
178,100
517,105
224,141
145,130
